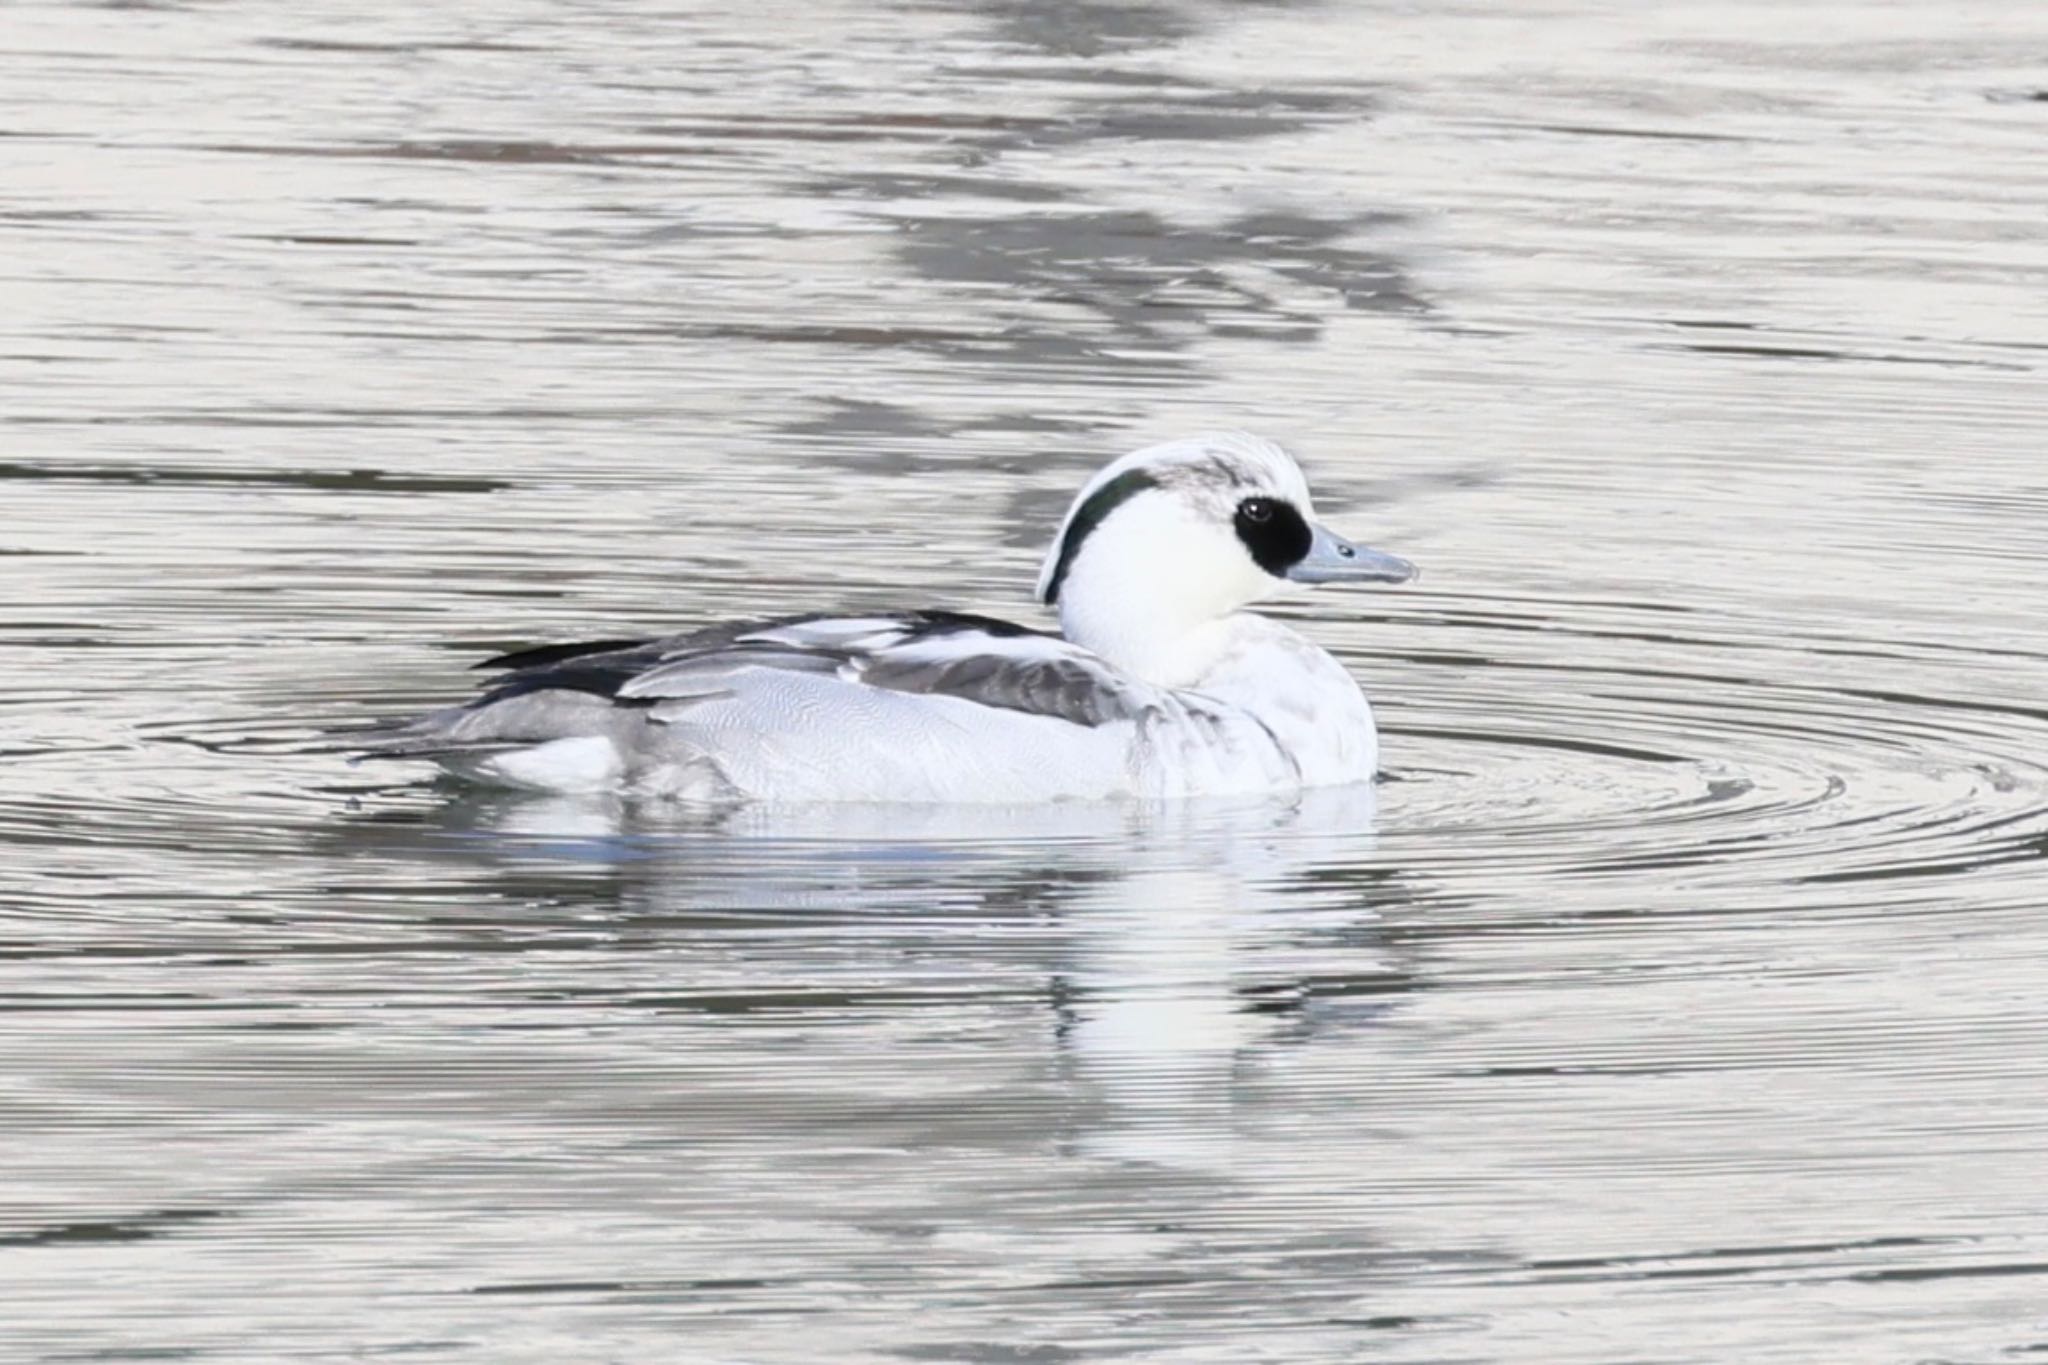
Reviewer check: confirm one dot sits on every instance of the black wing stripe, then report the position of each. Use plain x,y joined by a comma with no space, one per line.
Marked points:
547,656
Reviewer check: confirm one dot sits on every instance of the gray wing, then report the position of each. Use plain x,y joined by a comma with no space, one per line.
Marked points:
564,690
975,659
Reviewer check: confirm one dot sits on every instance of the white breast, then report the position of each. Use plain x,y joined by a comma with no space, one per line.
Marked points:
1296,690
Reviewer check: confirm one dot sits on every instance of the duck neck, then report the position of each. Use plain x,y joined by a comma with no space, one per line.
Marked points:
1158,644
1155,591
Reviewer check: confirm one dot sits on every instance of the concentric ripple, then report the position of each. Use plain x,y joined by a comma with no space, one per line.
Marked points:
1624,758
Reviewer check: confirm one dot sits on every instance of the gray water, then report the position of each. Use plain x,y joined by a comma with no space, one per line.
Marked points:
1685,997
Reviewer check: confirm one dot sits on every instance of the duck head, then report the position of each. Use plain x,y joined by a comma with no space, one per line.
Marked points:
1178,537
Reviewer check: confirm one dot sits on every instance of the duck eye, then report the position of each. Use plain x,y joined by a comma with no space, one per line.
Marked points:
1257,511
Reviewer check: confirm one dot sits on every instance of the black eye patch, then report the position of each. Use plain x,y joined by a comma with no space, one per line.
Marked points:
1276,534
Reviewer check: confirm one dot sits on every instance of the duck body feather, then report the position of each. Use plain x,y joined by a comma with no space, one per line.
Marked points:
923,706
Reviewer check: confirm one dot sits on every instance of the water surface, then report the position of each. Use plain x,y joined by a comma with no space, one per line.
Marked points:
1678,997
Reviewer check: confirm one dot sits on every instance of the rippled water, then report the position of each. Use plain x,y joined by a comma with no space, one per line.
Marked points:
1682,1000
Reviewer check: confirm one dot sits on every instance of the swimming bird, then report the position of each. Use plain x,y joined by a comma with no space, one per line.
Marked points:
1159,684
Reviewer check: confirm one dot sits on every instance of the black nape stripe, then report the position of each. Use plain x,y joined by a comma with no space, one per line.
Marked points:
1090,515
1275,532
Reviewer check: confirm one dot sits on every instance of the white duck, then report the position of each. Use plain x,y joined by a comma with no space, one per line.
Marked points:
1159,685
